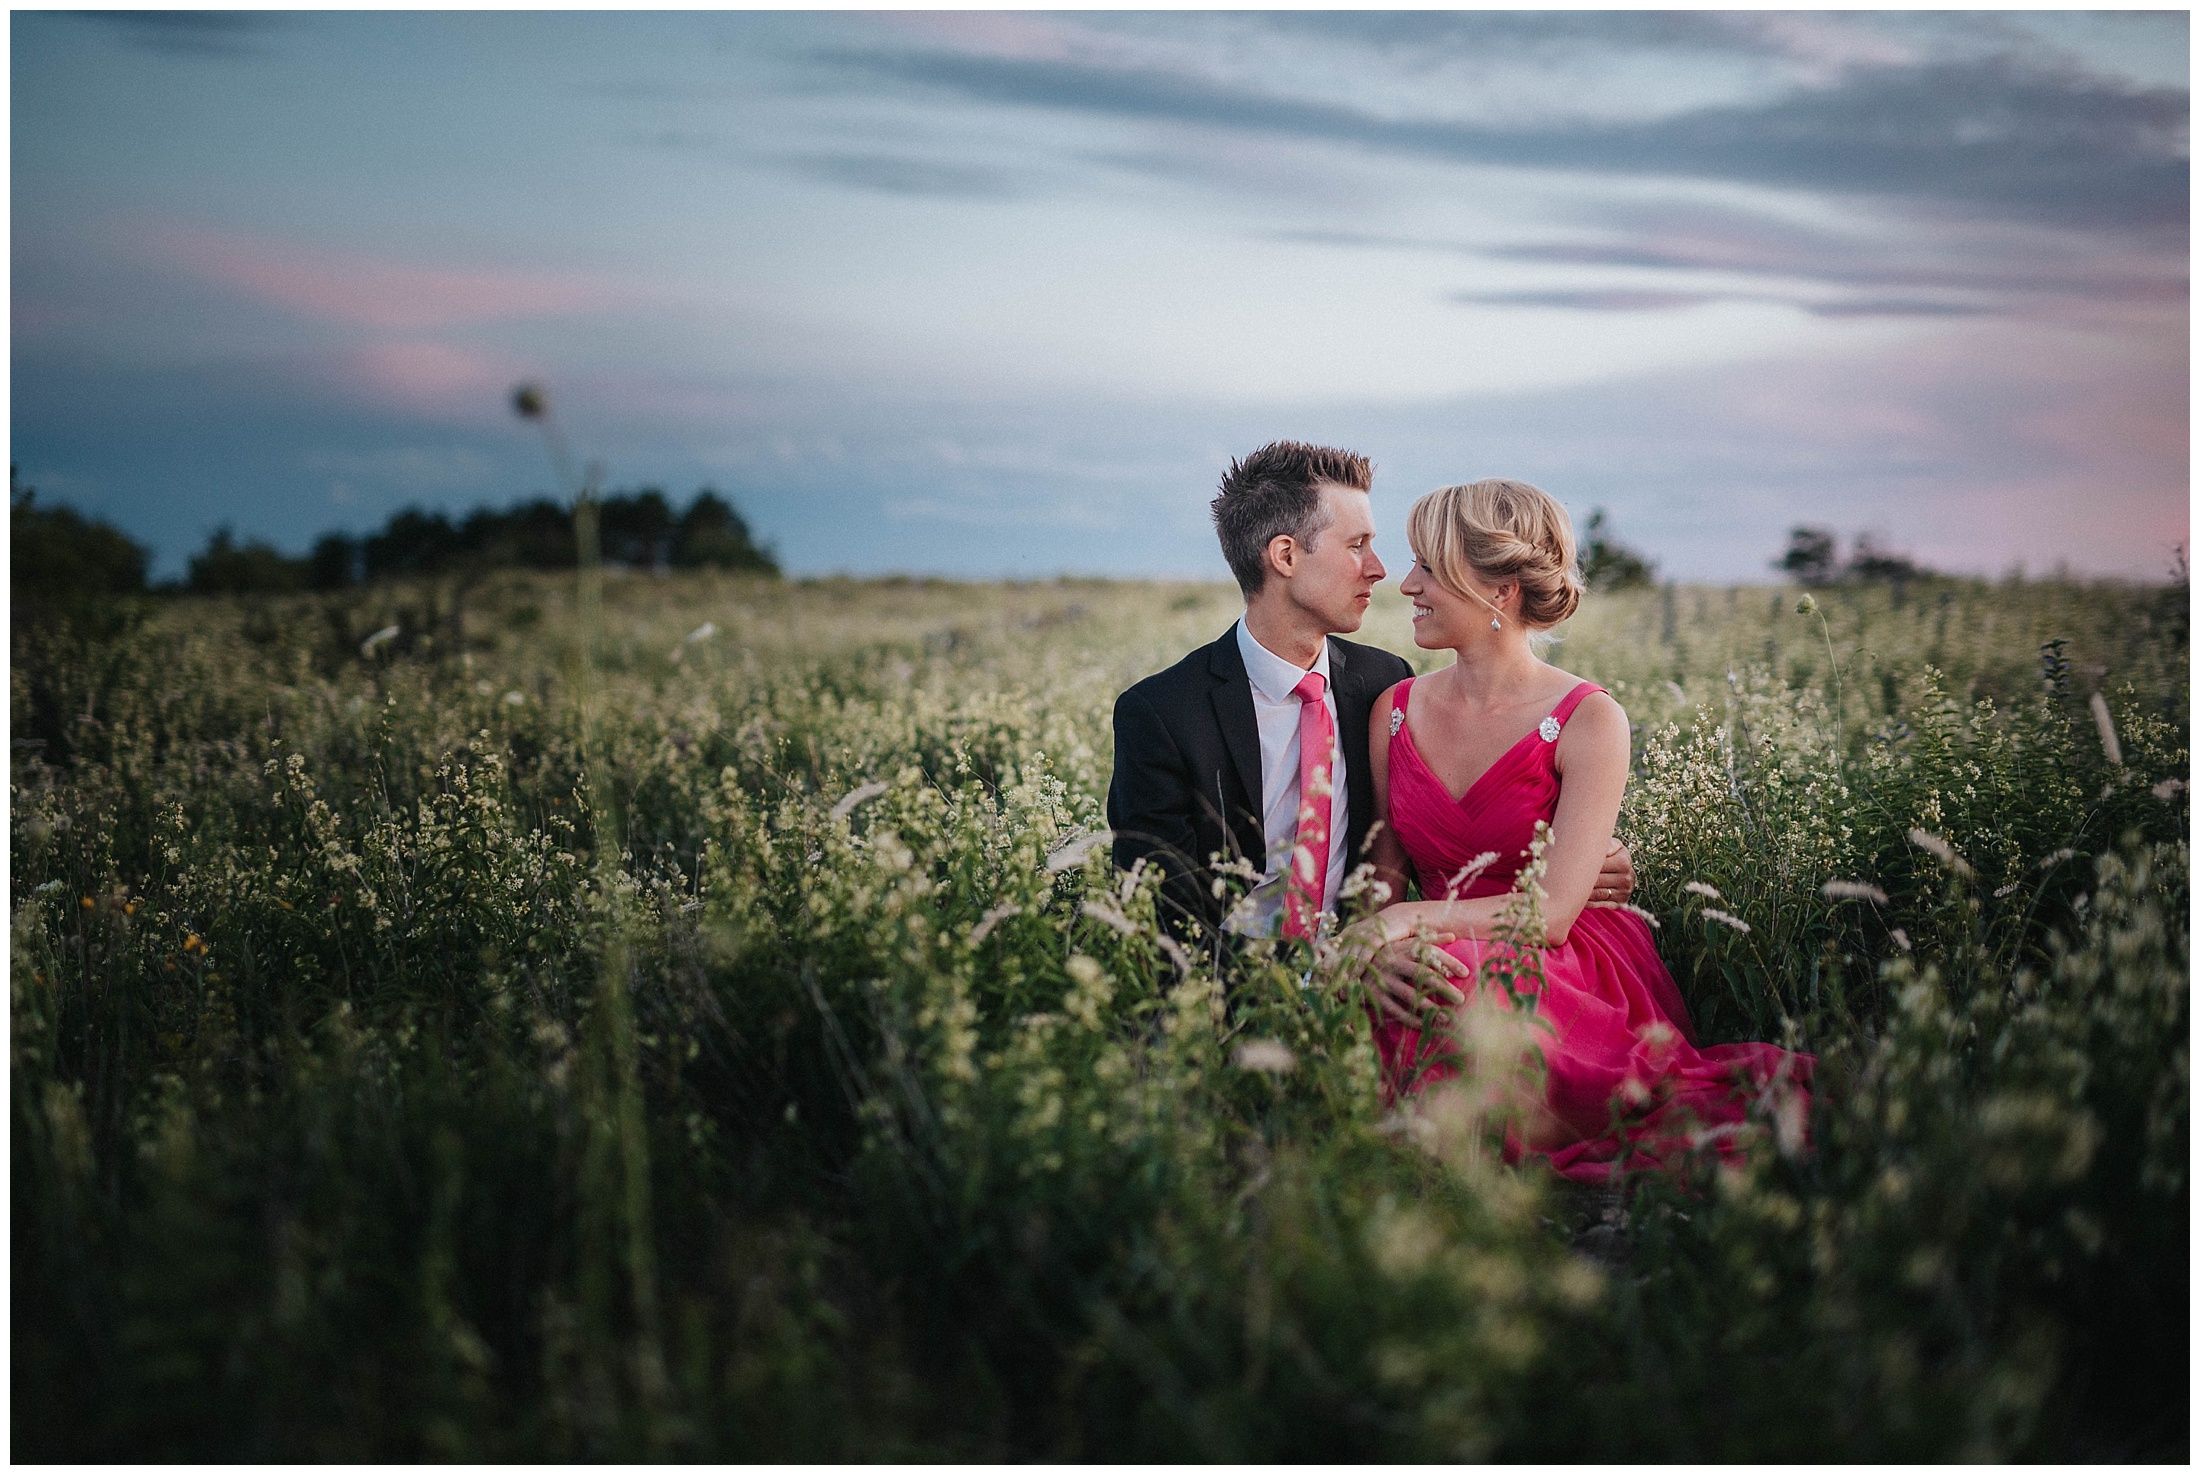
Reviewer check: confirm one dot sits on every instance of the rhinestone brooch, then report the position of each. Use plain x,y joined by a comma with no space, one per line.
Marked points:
1397,719
1549,728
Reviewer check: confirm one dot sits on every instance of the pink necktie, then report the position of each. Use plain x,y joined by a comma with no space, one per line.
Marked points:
1309,875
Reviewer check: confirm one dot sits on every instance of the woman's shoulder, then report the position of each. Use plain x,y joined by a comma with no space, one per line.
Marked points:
1578,696
1387,712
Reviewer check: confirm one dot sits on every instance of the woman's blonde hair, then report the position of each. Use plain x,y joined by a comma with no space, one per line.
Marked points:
1503,530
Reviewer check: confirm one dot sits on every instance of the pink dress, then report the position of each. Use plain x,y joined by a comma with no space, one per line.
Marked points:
1625,1077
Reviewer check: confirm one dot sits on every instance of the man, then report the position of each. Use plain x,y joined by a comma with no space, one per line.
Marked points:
1255,747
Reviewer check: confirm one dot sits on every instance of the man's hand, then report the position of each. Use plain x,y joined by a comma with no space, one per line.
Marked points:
1418,979
1616,880
1414,977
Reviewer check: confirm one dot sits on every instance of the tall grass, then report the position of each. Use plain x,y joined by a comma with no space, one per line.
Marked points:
418,1055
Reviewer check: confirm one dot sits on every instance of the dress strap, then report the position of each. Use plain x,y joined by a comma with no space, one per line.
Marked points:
1571,700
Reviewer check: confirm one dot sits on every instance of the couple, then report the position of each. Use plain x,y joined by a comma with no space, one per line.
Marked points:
1283,742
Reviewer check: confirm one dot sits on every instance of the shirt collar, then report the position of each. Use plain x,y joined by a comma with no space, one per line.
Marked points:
1272,676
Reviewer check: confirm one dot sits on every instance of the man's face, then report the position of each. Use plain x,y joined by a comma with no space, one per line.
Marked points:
1334,580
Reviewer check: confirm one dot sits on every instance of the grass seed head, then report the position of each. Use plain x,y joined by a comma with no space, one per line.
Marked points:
1941,851
2107,725
1266,1057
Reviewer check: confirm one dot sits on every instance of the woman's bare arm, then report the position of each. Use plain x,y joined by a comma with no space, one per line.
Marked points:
1592,775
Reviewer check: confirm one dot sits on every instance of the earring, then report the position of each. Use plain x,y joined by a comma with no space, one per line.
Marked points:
1496,623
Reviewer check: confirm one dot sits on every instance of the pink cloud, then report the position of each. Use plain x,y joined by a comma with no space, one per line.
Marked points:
426,373
996,33
1993,443
366,291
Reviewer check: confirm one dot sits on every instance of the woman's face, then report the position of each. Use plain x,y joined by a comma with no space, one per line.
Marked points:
1442,620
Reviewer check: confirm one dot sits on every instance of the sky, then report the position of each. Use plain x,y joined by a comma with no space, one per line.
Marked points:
987,294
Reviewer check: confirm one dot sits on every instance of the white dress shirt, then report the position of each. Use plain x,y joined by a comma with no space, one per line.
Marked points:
1277,711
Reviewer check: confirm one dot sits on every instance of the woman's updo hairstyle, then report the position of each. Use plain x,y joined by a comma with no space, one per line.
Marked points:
1502,530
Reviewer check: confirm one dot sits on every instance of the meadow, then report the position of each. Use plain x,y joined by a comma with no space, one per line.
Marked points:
695,1020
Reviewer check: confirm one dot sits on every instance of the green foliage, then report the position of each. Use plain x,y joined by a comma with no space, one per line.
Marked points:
1608,564
638,530
1811,558
255,568
758,1059
65,567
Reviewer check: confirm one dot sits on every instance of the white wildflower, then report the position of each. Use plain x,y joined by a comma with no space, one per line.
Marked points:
379,637
2167,789
1853,891
1269,1057
859,795
1715,915
1901,938
1108,916
2056,859
703,631
1704,889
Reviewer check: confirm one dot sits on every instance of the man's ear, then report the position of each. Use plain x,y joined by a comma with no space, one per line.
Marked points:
1282,555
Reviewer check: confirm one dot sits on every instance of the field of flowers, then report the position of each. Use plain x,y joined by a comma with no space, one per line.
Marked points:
697,1021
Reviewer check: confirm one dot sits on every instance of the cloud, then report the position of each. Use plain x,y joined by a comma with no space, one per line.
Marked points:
1984,136
894,175
1893,307
370,292
194,33
1622,299
1610,300
1908,271
435,379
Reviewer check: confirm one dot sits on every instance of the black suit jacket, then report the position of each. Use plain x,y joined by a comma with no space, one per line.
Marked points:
1187,767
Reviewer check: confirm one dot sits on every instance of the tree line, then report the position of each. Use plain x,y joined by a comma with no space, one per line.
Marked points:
63,562
636,529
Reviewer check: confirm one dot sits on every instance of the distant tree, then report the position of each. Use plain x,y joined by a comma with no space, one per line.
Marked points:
542,532
1873,563
255,568
637,529
413,542
713,535
334,562
1811,556
536,534
1607,563
65,565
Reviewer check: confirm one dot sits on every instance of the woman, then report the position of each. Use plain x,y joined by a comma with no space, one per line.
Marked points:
1466,762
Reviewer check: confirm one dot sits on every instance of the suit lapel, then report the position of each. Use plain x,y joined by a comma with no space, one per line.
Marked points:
1233,702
